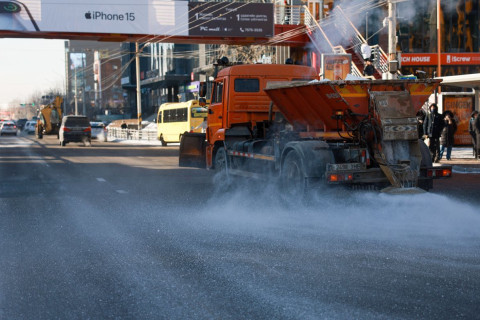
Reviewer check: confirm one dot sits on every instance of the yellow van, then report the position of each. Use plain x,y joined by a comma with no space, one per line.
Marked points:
174,118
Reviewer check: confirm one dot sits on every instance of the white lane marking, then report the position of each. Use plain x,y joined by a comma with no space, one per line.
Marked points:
101,180
121,191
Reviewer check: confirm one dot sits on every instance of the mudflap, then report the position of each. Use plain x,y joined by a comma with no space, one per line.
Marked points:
192,150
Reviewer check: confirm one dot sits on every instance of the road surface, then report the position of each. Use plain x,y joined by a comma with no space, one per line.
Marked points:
116,231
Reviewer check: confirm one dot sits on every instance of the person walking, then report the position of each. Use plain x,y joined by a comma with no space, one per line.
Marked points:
476,129
447,137
432,127
471,130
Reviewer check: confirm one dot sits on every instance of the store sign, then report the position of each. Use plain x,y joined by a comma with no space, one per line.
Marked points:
430,59
147,17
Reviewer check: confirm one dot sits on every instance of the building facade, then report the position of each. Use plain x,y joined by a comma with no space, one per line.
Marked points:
93,71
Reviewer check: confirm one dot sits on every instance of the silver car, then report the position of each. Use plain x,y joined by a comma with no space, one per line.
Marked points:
99,131
8,127
30,127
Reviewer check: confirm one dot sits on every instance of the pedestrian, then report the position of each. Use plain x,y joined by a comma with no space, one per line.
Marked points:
124,125
476,129
420,119
471,130
432,127
369,70
447,137
366,51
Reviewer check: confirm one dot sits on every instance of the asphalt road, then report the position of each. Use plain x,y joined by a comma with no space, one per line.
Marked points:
114,231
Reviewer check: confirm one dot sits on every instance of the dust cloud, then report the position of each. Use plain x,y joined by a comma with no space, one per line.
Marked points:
414,220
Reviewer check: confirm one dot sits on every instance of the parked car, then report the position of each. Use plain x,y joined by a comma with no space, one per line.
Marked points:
99,131
75,129
30,127
8,127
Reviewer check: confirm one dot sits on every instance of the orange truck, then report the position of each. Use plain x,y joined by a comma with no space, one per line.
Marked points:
279,121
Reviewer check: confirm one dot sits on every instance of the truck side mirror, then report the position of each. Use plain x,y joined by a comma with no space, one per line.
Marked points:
202,89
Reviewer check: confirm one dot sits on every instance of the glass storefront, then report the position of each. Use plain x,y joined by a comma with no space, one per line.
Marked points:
417,26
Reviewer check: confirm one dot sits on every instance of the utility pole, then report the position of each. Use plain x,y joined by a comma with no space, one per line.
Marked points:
439,41
84,55
139,97
76,99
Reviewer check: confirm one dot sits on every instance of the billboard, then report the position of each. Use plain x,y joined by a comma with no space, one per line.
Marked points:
336,66
147,17
232,19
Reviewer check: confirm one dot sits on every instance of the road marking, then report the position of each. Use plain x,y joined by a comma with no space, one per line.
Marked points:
101,180
121,191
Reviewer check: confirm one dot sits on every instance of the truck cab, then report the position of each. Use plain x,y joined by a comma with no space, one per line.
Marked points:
239,105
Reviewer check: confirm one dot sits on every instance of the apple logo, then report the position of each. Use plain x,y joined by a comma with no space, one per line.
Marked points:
88,15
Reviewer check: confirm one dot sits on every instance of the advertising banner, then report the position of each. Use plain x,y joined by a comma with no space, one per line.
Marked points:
336,66
231,19
461,106
145,17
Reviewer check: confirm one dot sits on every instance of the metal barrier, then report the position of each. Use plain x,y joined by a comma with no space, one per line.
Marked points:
131,134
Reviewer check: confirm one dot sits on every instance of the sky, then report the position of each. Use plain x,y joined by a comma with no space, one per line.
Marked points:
28,66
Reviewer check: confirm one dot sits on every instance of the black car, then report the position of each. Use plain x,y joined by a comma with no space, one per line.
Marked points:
21,123
75,129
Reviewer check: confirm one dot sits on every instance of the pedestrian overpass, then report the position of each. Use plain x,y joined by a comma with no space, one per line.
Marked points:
293,26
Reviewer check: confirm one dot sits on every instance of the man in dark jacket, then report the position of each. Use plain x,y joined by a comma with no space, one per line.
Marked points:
471,130
432,127
476,128
369,69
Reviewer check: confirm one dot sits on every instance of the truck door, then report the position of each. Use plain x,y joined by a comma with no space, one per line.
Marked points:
216,119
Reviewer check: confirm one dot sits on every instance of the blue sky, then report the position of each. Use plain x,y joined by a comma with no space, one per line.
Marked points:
28,66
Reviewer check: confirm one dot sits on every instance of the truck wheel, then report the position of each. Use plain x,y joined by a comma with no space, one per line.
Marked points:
222,177
292,179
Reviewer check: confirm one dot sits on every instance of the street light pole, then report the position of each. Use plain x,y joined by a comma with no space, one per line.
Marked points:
439,41
83,83
139,97
76,98
392,36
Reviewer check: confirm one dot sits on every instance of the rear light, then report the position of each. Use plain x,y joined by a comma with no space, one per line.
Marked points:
65,129
89,129
340,177
438,173
14,127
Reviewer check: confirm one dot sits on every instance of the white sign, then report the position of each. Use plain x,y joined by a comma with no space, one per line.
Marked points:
108,16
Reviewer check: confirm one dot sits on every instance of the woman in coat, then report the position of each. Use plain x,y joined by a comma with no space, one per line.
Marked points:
447,136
